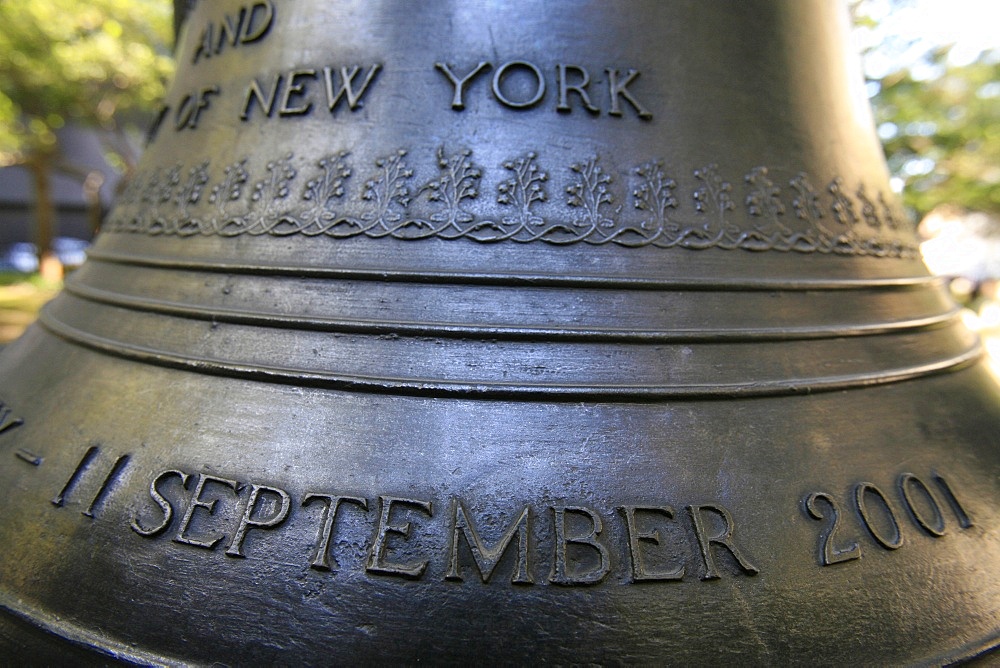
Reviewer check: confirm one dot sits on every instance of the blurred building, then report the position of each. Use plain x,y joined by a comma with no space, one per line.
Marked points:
83,188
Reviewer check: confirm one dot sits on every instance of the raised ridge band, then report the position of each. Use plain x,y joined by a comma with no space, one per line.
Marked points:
509,278
692,335
624,390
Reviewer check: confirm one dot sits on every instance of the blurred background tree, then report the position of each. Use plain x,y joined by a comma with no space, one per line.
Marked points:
933,69
100,64
942,135
936,94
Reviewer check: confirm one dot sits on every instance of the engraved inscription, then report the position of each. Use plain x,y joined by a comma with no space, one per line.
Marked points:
460,82
109,480
294,92
83,466
588,541
7,418
191,106
537,83
28,456
913,488
563,74
257,495
531,89
248,25
166,508
321,557
208,507
964,520
864,494
515,84
59,499
618,90
723,538
650,543
487,558
403,197
878,516
581,545
378,561
639,570
829,553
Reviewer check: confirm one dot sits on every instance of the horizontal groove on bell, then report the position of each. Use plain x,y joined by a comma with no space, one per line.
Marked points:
682,271
551,369
470,311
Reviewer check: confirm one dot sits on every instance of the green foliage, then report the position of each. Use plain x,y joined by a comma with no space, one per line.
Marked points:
95,63
938,116
942,135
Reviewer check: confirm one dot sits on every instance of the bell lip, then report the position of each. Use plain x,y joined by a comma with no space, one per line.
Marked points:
86,639
79,636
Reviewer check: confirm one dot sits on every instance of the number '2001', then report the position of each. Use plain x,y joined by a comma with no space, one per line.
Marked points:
879,517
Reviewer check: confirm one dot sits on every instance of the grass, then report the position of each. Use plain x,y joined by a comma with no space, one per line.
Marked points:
21,297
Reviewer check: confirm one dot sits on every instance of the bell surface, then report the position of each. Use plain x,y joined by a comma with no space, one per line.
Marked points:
508,332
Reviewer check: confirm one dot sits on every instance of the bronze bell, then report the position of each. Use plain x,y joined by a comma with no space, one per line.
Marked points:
506,332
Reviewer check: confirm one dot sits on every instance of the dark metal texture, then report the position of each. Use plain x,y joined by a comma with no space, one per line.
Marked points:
504,332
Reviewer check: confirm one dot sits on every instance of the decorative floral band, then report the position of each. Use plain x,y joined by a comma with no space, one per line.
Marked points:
278,201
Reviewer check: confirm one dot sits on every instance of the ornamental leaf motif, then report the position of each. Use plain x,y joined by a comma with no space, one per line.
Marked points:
654,194
276,186
868,212
387,188
806,201
248,199
230,188
457,180
190,192
590,193
525,187
891,221
764,198
328,185
843,207
713,193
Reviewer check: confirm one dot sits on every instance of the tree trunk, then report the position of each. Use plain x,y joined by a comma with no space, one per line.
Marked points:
45,218
92,196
